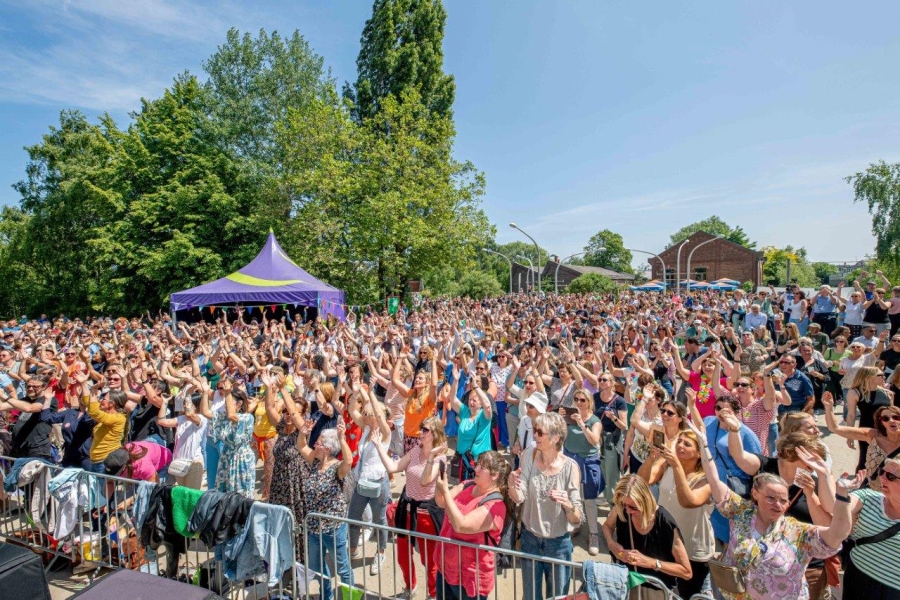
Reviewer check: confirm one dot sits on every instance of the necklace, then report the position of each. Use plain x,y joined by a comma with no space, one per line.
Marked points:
705,391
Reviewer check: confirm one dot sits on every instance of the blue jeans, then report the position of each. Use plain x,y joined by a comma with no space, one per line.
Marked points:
773,435
536,574
446,591
212,462
335,543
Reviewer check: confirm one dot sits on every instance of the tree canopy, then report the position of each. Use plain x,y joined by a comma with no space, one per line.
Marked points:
879,187
591,283
613,256
715,226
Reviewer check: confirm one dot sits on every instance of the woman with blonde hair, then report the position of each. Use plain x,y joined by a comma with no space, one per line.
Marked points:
882,439
421,400
868,393
685,493
788,341
644,536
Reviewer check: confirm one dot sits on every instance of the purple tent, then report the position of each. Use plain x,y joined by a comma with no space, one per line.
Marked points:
270,278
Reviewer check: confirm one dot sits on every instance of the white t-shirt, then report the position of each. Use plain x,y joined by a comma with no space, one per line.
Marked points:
189,438
370,465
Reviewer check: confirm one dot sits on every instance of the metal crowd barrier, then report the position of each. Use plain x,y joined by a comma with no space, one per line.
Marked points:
388,583
105,536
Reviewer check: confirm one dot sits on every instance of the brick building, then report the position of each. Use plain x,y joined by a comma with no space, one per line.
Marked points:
522,277
569,272
716,260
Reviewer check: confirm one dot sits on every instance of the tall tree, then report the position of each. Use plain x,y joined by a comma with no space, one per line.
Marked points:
715,226
607,249
879,187
402,50
775,266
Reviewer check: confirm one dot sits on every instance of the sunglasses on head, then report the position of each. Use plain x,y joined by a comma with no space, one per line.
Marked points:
889,418
887,475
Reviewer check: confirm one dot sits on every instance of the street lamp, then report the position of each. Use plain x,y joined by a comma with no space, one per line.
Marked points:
531,270
656,256
678,267
506,258
536,248
691,253
558,263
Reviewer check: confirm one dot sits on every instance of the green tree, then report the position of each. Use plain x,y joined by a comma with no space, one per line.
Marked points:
879,187
614,255
715,226
401,50
824,271
18,297
479,285
383,209
591,283
775,266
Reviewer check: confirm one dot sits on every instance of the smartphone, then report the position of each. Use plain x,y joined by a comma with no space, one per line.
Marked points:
569,412
442,469
659,438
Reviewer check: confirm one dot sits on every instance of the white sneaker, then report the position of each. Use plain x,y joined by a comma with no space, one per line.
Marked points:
594,544
407,594
375,567
356,552
366,533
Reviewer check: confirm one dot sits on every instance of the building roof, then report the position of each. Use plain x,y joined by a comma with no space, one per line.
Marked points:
673,249
550,267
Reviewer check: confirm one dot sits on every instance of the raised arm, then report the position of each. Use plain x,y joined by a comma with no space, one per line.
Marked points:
863,434
720,491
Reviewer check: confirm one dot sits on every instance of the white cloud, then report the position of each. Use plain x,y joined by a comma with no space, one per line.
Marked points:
801,205
106,54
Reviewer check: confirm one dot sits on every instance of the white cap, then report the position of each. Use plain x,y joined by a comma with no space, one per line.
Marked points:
537,400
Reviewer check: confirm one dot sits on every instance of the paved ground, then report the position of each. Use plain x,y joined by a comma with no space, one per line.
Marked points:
64,583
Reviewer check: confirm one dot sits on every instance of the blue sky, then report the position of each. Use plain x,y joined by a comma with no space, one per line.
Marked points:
640,118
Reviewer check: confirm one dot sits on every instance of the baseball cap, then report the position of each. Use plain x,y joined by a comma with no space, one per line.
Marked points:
116,461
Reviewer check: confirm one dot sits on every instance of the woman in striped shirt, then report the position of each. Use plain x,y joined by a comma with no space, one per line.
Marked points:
873,571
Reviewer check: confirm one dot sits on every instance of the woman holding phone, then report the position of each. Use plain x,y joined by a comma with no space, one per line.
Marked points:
582,446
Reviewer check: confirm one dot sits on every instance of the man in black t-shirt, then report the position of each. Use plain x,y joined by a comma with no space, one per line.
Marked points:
30,434
891,356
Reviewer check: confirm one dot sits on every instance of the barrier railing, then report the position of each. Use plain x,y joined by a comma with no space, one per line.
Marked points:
551,578
99,530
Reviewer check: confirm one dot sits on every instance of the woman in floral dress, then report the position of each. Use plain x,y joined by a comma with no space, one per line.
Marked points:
234,428
324,494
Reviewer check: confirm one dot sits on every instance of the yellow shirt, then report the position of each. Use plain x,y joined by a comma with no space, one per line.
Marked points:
108,432
262,427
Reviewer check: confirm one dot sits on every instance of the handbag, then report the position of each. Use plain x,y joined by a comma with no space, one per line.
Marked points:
180,467
366,488
727,578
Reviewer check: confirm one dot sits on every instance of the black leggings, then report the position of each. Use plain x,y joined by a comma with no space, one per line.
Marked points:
866,587
689,587
895,323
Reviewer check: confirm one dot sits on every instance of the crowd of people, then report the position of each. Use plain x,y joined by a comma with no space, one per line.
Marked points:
689,419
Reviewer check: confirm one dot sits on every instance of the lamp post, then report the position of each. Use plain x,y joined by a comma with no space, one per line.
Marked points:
656,256
536,249
531,267
691,253
506,258
558,263
678,267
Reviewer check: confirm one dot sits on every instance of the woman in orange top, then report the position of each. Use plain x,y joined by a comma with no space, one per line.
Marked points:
421,399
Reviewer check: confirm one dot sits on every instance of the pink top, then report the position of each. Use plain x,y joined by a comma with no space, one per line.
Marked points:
757,418
157,457
455,561
706,396
414,470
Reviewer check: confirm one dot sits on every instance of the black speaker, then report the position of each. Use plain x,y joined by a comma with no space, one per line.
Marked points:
21,574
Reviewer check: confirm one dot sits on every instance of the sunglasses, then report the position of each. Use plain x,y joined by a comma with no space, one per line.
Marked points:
889,418
668,412
741,384
606,379
722,407
539,432
580,399
887,475
529,383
